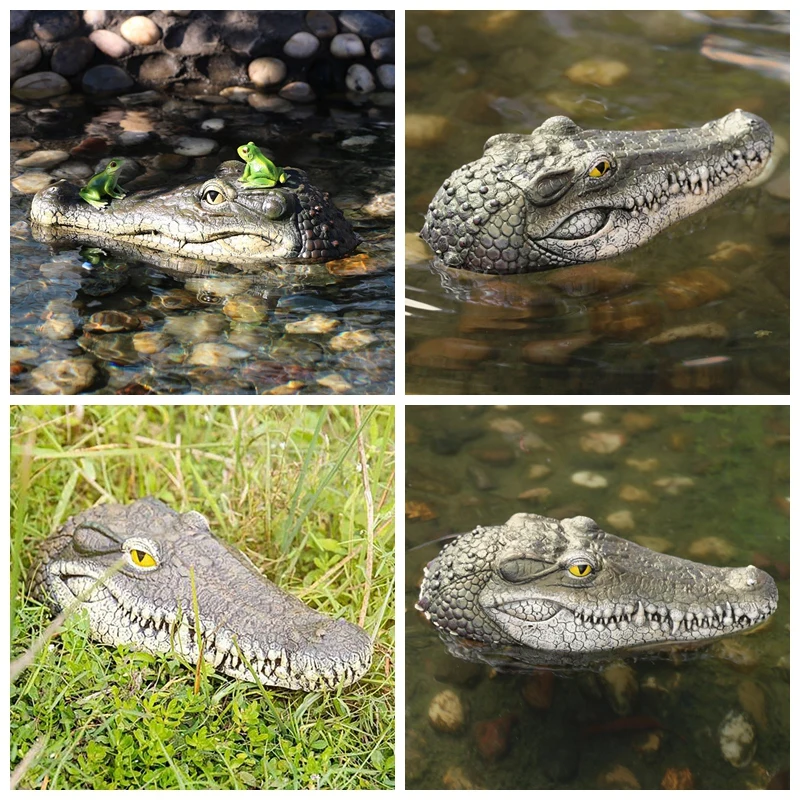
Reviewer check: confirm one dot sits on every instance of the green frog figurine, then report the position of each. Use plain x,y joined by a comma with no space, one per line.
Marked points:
103,184
259,170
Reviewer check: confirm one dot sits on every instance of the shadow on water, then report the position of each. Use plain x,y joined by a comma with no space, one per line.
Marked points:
708,484
701,308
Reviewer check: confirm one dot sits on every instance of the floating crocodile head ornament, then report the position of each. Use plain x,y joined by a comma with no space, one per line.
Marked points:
538,591
218,219
144,552
564,195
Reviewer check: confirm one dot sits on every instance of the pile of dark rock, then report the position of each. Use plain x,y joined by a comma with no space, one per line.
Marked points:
273,56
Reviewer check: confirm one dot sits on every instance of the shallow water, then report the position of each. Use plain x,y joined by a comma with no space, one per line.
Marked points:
224,335
467,467
590,329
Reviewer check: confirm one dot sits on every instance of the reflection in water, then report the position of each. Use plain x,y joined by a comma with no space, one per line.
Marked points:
708,484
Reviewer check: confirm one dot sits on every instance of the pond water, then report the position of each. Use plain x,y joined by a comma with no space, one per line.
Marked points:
702,307
709,484
88,322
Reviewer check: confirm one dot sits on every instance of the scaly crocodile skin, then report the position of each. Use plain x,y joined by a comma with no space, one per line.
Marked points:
537,202
506,593
247,227
243,616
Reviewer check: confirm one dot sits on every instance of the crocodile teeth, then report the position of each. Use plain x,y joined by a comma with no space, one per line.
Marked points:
640,617
676,617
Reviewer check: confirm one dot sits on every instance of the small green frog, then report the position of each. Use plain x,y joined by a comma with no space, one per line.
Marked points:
259,170
104,184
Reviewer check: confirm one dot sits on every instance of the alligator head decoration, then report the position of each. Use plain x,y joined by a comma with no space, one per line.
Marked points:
217,219
130,568
538,591
564,195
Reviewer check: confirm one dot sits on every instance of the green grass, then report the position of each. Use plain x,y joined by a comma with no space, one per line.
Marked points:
283,484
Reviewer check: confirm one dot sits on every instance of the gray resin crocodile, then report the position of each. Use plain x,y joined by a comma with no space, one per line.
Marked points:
564,195
537,591
148,602
219,219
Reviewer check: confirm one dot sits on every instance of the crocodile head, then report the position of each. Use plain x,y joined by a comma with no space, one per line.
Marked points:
219,219
142,555
564,195
540,591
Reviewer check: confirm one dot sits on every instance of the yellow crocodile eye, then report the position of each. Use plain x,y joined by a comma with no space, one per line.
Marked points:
142,559
581,570
600,169
214,198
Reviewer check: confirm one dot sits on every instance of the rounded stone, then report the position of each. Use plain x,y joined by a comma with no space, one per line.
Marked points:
269,102
212,125
366,23
314,323
382,49
70,376
95,18
42,159
737,739
199,38
213,354
25,55
352,340
110,43
385,74
426,130
301,45
40,85
32,182
347,45
140,31
589,480
105,80
298,92
359,79
53,26
446,712
159,68
598,72
194,146
266,71
58,327
19,19
72,56
321,23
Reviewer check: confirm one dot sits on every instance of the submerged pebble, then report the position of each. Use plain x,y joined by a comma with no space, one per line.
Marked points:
621,520
711,547
618,777
314,323
446,712
590,480
737,739
602,442
70,376
621,686
675,778
493,737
